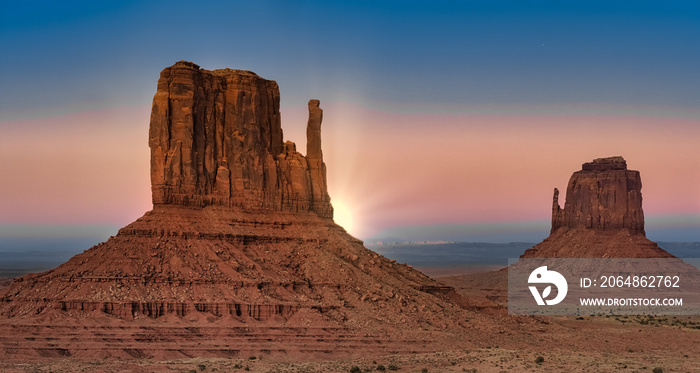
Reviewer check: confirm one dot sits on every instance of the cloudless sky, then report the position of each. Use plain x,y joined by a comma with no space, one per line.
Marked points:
437,113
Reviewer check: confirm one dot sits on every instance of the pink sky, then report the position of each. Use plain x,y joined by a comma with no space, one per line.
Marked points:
385,168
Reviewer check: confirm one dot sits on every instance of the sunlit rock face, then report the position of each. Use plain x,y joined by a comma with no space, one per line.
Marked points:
216,139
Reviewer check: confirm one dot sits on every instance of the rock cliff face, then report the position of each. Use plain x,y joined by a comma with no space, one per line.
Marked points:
216,139
604,195
602,216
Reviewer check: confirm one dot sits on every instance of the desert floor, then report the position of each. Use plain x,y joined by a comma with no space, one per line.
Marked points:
551,344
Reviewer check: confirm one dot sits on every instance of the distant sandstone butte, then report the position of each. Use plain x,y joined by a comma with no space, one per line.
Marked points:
216,139
602,216
604,195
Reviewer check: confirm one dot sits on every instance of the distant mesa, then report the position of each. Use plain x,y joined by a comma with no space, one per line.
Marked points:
602,216
604,195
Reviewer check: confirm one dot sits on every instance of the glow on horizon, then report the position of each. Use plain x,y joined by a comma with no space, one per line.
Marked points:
386,169
398,169
86,167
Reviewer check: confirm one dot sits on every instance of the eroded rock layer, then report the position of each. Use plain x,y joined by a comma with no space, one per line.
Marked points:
216,139
295,280
225,262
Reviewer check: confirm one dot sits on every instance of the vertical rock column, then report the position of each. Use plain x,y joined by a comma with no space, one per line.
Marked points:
320,201
557,212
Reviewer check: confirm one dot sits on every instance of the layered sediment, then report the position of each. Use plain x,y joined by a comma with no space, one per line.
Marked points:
262,266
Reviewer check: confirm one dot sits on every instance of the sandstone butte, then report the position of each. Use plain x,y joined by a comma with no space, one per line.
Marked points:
602,216
239,254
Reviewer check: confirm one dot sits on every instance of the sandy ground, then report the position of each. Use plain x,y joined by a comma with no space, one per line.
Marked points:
550,344
478,360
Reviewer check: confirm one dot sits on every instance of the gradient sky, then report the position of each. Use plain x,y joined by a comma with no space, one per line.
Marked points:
442,119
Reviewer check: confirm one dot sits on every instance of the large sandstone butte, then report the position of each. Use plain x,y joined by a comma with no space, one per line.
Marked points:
239,254
602,216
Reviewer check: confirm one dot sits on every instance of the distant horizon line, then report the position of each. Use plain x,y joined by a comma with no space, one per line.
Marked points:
658,228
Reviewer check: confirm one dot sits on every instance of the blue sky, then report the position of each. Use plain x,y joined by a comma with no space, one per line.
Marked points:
635,52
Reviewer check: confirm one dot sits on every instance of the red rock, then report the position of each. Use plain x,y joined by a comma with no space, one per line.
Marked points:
314,156
240,233
216,139
604,195
602,216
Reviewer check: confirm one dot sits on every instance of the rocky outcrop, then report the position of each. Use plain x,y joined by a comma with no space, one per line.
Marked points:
602,216
604,195
221,261
216,139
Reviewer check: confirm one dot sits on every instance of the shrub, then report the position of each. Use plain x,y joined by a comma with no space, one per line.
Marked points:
392,367
658,370
355,369
381,368
539,360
